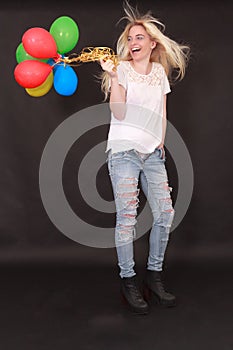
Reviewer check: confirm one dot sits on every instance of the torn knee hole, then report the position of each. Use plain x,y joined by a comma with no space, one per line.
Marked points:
168,211
166,187
127,194
128,181
129,215
167,200
126,230
134,201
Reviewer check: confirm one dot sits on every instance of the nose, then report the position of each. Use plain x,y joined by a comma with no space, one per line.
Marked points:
133,42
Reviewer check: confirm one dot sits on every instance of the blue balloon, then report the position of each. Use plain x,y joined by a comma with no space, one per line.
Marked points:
65,80
51,62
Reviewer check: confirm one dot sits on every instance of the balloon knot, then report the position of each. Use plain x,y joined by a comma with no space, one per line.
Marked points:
57,58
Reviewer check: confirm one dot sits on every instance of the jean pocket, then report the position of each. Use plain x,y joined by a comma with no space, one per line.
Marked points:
119,155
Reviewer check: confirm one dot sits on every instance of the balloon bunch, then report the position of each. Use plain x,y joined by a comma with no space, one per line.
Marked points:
42,63
38,54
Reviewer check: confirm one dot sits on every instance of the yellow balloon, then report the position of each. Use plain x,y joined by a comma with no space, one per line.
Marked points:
42,89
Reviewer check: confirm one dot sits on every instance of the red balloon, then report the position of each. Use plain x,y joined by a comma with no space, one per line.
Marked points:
39,43
31,73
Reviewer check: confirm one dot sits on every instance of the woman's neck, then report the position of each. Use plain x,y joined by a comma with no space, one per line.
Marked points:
142,67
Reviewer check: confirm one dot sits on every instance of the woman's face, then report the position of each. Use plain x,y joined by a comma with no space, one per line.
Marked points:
140,44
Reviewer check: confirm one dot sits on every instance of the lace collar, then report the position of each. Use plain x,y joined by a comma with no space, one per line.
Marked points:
153,78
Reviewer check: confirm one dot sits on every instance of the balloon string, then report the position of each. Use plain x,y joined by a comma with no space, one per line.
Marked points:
89,54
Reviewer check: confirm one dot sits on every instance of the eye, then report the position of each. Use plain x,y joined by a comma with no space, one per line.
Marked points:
140,37
129,38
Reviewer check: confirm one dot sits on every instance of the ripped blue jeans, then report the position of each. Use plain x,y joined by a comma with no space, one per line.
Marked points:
125,170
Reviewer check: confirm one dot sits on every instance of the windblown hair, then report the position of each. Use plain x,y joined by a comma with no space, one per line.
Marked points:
172,55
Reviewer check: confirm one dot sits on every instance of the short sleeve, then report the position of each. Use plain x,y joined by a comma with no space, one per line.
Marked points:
122,76
165,85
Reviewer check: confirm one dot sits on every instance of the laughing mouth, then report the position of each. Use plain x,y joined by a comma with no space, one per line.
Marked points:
135,49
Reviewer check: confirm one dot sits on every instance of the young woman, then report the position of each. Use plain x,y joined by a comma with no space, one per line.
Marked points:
138,88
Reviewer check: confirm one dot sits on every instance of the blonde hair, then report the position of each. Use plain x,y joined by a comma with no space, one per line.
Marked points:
172,55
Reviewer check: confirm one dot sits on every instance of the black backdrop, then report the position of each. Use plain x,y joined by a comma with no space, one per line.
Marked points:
199,107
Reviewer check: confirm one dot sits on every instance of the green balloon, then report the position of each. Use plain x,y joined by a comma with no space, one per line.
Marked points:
22,55
65,33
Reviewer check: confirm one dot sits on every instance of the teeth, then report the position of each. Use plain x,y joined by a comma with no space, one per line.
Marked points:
135,49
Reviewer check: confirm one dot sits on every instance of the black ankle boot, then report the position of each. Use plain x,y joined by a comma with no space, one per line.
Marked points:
132,295
153,285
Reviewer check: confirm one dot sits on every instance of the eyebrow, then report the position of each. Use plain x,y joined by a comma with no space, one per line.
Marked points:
129,36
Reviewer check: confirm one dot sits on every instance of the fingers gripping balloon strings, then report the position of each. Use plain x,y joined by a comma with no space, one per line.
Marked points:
90,54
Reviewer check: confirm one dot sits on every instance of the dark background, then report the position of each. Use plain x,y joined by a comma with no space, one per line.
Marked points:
51,269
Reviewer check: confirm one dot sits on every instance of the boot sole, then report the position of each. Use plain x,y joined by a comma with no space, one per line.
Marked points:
149,295
160,302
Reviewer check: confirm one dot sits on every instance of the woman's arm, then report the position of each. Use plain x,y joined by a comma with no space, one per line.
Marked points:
118,93
164,118
164,123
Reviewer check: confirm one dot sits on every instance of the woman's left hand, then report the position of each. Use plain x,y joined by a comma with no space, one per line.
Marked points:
108,66
161,145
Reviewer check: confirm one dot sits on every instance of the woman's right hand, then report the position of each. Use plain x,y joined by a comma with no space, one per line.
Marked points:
109,67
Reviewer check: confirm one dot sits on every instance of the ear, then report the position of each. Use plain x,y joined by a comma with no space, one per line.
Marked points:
153,44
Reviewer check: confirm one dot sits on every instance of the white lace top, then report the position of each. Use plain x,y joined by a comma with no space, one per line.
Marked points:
141,129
